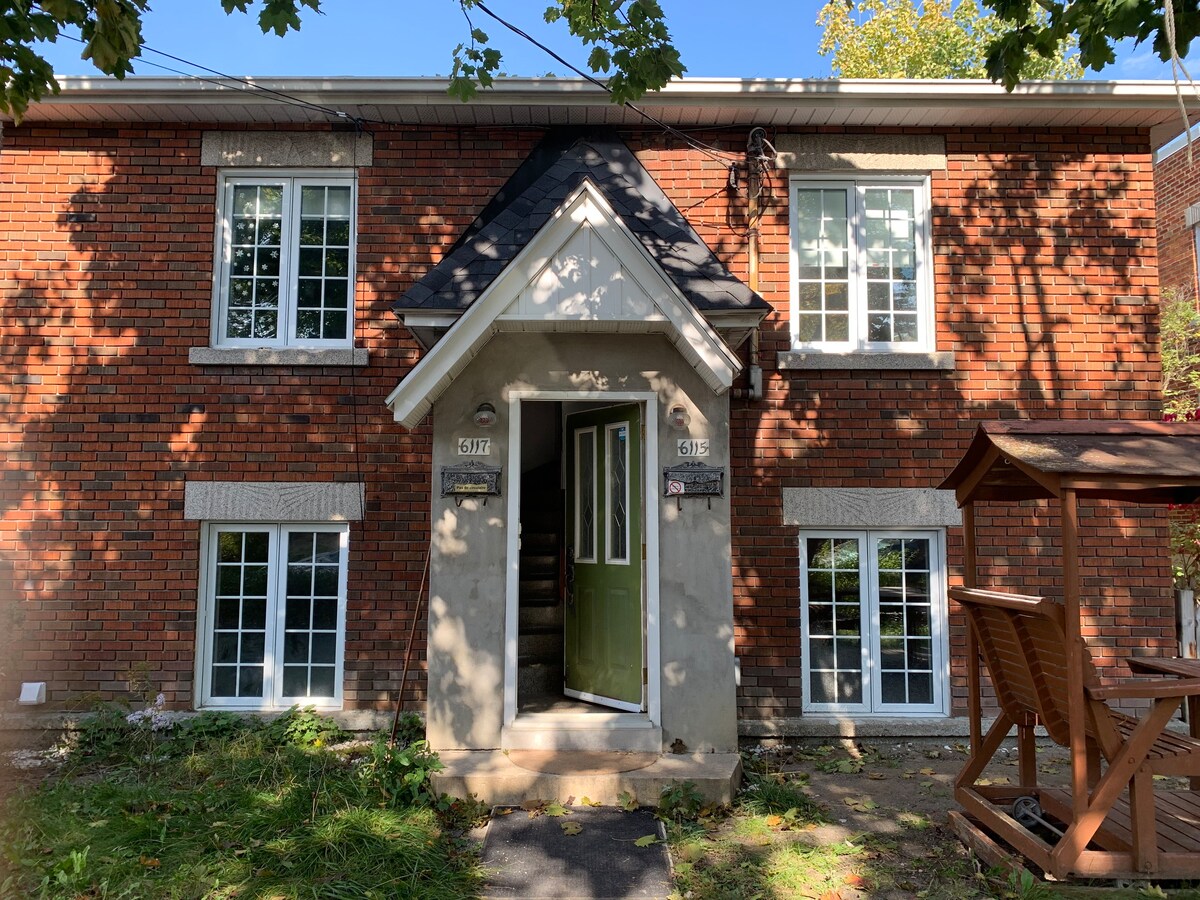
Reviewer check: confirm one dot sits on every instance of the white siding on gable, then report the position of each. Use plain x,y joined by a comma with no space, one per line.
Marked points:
585,280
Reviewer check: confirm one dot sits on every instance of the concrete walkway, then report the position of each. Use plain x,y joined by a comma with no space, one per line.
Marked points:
538,859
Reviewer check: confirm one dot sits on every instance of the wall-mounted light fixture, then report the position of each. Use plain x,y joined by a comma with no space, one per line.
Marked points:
485,415
678,418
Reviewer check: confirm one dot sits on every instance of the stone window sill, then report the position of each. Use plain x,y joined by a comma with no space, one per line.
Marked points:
272,356
801,359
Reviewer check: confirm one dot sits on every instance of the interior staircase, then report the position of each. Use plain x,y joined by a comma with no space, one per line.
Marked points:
540,600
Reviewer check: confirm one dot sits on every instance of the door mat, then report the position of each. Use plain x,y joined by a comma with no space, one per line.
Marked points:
537,859
581,762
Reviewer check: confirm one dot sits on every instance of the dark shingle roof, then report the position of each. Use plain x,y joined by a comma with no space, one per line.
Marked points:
538,188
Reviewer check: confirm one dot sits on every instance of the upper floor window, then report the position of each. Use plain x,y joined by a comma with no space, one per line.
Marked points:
860,265
286,272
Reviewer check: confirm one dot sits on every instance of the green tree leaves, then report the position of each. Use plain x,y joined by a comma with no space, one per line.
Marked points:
932,39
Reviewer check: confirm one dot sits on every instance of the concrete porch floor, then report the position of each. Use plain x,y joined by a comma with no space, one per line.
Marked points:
498,777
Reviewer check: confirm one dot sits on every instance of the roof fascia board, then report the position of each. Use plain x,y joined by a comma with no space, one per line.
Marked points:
1154,99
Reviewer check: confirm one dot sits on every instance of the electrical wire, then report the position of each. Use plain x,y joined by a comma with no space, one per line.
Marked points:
247,86
706,149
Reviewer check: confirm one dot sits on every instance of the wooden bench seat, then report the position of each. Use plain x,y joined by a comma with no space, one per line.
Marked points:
1022,642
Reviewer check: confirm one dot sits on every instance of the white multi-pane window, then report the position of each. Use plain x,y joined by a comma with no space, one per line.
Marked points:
873,619
273,615
286,273
860,278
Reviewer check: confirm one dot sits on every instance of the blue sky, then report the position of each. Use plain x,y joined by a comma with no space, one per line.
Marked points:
415,37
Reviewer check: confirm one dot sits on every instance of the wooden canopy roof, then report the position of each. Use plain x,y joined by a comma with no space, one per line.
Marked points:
1140,462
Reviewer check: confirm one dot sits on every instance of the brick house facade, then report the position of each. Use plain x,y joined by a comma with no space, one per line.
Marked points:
1177,195
1043,298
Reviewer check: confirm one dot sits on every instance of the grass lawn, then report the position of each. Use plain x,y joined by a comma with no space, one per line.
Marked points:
227,807
220,806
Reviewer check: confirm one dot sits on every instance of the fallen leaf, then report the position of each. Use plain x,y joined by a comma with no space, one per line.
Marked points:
876,776
150,862
556,809
772,821
856,881
504,811
570,828
830,895
861,804
584,801
928,771
626,801
646,840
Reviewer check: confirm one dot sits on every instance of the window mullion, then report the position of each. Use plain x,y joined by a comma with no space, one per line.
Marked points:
288,274
278,588
858,279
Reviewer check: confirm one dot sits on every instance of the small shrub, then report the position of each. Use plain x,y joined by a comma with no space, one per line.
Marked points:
776,795
108,733
303,728
401,775
679,802
410,729
208,729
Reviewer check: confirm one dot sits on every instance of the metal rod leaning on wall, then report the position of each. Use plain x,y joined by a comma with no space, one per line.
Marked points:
412,633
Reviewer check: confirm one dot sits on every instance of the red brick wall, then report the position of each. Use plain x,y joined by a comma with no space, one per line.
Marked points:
1045,256
1177,186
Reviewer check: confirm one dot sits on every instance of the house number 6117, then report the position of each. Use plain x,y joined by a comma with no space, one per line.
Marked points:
475,446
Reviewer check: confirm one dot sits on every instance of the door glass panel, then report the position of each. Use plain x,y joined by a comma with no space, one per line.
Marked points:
585,495
618,492
905,618
313,567
834,620
239,628
872,617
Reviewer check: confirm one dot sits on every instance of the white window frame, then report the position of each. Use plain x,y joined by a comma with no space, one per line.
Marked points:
293,180
873,704
855,194
273,697
590,434
609,559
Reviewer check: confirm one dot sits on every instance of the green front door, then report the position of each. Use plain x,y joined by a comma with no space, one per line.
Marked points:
604,635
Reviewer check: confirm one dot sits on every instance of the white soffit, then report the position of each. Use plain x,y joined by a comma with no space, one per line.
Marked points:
584,271
784,103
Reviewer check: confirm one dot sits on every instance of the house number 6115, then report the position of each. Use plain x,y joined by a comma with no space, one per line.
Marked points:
475,446
692,447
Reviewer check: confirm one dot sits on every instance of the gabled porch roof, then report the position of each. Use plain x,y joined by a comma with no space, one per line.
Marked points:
580,239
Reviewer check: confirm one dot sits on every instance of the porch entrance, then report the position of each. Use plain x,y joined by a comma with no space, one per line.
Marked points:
581,629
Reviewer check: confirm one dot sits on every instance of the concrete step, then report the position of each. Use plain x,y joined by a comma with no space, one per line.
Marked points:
542,646
535,589
501,777
539,541
535,564
536,678
544,616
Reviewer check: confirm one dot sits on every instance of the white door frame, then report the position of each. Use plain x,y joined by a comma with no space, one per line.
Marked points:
649,401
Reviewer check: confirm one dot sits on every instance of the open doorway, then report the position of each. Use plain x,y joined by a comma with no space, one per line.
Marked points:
581,629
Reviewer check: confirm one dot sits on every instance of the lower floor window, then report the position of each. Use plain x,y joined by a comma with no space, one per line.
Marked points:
274,605
874,622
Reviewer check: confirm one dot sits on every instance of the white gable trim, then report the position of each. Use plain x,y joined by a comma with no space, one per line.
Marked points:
497,309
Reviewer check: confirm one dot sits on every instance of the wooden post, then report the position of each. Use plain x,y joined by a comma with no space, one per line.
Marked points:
970,580
1075,652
